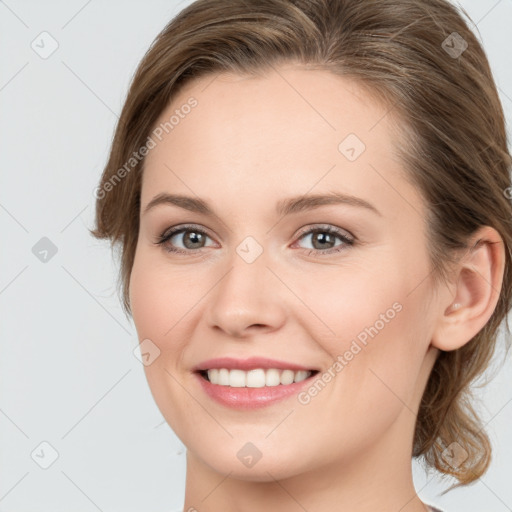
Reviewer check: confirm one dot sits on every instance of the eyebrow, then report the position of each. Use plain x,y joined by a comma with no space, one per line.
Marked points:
284,207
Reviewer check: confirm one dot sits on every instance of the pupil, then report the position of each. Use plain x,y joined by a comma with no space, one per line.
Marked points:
323,237
194,237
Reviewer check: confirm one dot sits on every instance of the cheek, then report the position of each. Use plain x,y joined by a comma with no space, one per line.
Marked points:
165,303
377,357
157,298
375,331
159,305
351,303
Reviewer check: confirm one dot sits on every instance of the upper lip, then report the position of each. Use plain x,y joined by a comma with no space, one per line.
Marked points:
248,364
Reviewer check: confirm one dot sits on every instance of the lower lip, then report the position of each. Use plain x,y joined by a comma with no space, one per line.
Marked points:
250,398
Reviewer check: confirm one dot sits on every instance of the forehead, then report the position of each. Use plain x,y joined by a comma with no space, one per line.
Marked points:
291,126
292,102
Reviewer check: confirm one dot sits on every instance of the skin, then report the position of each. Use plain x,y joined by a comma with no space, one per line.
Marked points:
249,143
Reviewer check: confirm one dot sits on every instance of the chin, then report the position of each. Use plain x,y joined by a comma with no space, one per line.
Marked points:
267,468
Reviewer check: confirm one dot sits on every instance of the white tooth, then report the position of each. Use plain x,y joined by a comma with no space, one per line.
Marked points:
301,375
256,378
237,378
213,376
272,377
223,377
286,377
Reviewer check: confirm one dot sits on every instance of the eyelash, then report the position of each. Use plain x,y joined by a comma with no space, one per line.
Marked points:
347,241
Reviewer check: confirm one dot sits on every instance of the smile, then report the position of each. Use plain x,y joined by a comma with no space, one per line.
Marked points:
251,383
257,378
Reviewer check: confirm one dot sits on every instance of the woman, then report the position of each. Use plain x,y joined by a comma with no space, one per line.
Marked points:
311,200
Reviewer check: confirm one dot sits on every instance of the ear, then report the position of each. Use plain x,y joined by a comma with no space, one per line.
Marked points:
470,301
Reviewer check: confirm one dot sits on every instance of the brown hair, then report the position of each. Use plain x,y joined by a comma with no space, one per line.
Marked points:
454,145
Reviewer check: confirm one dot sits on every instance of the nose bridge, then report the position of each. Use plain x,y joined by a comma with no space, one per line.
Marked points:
246,295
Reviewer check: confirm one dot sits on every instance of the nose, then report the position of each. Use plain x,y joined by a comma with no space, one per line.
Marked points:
247,299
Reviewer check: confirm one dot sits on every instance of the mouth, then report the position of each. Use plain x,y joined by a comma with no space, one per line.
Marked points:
251,383
256,378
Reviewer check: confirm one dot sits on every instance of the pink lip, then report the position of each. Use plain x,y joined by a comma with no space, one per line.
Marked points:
249,398
248,364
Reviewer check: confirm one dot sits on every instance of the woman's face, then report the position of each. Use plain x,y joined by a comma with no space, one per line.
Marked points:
339,284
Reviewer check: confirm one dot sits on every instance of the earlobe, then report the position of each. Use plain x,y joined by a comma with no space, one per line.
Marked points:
479,276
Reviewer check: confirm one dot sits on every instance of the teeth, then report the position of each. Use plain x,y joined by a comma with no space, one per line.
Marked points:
287,377
237,378
223,379
272,377
301,375
257,378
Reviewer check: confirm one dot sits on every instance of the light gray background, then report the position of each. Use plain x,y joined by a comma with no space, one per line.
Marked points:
67,372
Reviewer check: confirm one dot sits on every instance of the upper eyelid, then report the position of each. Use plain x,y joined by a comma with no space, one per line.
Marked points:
327,227
174,230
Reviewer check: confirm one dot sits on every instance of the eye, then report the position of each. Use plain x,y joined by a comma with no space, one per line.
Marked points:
192,238
323,239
